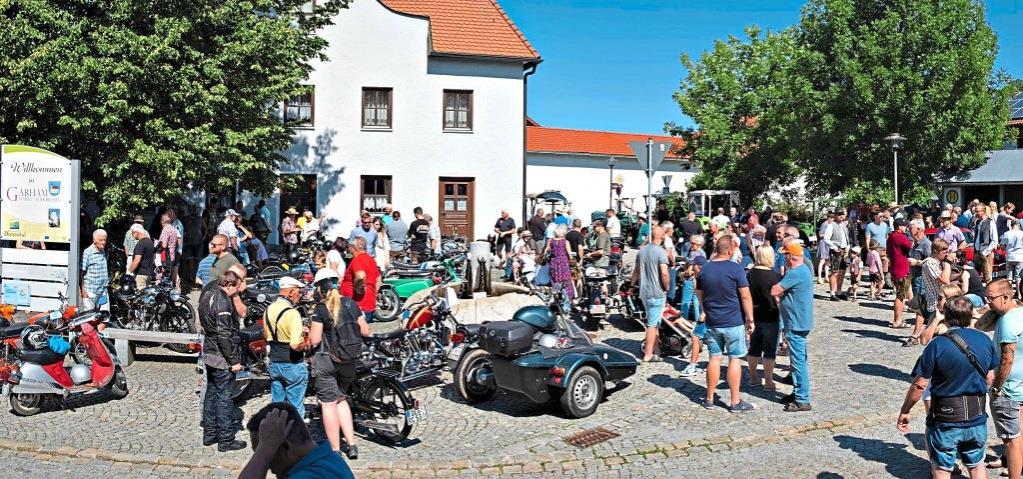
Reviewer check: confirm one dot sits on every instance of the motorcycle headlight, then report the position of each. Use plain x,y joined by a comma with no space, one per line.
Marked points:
261,298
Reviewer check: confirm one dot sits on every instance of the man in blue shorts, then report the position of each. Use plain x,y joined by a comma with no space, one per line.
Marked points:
726,301
956,421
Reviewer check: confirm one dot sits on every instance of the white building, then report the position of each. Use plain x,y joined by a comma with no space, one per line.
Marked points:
575,162
422,103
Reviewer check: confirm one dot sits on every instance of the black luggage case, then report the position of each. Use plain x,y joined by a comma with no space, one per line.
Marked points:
506,338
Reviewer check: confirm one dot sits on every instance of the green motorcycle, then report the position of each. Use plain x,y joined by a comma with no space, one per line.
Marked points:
399,284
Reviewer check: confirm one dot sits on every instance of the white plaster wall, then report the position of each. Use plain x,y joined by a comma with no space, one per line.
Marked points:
584,179
371,46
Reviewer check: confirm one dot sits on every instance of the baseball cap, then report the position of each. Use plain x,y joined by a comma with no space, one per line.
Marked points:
793,248
139,219
288,282
231,213
700,261
900,222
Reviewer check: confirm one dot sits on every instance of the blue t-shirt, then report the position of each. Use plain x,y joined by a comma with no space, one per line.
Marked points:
1010,330
951,373
796,305
719,281
321,463
879,233
370,236
203,271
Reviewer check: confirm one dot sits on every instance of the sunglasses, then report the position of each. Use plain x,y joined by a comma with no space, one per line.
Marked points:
992,299
218,244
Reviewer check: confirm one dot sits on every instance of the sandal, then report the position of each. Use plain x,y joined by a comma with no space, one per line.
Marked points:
911,341
901,326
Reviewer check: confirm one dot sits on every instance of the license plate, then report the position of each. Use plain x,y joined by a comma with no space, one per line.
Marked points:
415,416
456,352
597,309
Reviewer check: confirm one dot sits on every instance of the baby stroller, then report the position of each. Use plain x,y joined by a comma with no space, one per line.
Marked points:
675,332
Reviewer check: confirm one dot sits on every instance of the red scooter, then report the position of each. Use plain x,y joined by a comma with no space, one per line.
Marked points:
38,371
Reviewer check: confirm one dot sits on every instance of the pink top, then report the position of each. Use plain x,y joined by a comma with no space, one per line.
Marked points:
874,261
169,238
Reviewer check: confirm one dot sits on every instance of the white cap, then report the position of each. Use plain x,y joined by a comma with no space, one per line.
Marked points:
231,213
324,273
288,282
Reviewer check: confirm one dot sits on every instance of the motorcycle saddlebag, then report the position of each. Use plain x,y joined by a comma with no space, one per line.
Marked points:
507,338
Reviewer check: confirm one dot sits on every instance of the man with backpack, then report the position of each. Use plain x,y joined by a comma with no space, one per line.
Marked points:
336,333
284,331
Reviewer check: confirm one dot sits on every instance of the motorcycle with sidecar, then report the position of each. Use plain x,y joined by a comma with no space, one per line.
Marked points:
539,355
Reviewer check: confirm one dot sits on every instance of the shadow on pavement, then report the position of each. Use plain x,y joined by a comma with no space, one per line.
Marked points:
882,306
897,460
863,321
866,333
501,403
880,371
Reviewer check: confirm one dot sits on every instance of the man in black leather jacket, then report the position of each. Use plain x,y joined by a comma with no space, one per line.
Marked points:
222,357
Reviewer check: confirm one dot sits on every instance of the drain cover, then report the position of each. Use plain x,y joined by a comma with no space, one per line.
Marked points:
589,437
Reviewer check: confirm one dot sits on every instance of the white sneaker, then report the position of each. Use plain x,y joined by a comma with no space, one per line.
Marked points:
689,370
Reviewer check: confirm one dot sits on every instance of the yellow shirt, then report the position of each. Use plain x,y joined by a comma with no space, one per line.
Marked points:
300,222
288,328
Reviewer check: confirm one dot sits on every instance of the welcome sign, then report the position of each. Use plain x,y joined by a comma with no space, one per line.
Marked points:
35,195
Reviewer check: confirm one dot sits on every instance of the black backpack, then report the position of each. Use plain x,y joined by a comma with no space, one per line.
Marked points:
344,340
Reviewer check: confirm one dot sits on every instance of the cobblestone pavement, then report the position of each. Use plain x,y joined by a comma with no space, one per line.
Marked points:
859,377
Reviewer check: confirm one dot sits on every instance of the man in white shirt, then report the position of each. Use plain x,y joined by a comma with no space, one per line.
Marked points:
613,225
229,229
985,242
721,219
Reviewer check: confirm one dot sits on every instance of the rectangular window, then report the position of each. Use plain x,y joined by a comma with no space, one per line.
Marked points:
308,7
376,107
458,110
299,109
376,193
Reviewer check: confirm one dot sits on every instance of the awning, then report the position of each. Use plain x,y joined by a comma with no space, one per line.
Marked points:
1002,167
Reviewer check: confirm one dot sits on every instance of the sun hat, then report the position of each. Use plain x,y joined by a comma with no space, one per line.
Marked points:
288,282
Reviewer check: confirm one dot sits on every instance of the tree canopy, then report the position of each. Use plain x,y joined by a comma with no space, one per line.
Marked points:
850,73
154,96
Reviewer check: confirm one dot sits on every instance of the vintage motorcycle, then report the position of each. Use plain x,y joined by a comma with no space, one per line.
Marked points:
541,356
157,307
38,371
402,283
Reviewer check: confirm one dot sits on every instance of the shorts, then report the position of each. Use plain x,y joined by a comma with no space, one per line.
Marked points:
1005,414
980,262
838,262
764,341
700,330
331,380
504,244
876,278
654,311
946,444
729,342
904,288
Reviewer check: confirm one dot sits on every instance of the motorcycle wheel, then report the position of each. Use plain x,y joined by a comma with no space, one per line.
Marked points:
583,394
388,305
473,364
182,322
118,386
26,404
392,401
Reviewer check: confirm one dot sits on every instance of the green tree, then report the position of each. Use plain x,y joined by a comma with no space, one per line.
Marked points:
817,100
737,95
867,68
154,96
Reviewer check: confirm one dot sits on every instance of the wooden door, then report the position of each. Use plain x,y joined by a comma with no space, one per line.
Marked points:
456,206
303,195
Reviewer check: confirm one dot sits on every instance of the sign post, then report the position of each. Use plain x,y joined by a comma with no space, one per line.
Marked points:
39,200
650,153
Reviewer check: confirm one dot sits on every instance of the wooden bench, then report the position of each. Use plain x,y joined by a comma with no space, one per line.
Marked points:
125,339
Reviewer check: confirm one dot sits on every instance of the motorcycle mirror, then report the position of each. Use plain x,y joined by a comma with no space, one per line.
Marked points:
450,297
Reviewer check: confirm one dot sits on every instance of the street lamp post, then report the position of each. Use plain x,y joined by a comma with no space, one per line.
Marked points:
896,140
611,182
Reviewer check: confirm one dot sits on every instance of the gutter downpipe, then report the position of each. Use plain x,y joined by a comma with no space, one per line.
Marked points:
525,112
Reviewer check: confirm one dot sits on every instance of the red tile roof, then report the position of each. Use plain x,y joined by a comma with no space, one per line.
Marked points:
563,140
1016,122
469,27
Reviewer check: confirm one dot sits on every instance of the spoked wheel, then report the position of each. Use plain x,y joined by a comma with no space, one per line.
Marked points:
26,404
474,377
386,403
388,305
583,394
271,272
180,318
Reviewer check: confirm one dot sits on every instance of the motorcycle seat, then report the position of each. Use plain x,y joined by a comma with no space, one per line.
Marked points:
397,333
13,330
40,356
412,274
473,329
251,333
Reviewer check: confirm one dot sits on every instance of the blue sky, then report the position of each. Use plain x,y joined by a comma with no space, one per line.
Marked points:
613,64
